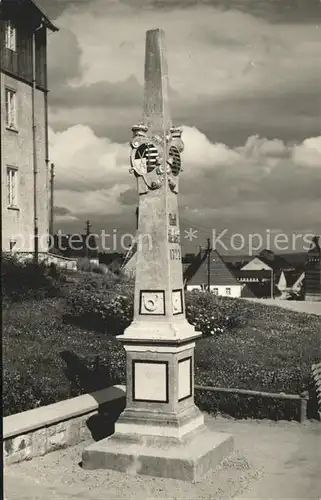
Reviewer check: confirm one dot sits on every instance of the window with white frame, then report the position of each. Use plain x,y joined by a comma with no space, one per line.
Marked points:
12,186
11,108
11,36
228,291
215,291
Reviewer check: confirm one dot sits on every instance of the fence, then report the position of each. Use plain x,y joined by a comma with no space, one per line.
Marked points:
303,398
316,372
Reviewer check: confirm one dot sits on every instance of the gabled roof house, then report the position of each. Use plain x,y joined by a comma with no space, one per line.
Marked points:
313,271
268,261
209,266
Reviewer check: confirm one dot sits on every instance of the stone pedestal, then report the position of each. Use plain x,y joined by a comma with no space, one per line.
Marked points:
186,460
161,432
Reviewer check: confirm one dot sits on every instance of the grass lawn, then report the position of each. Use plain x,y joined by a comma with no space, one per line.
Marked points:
34,335
272,351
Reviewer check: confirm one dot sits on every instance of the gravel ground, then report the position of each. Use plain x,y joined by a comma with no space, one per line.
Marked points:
271,460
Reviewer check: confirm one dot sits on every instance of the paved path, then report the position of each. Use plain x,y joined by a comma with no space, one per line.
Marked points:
272,461
294,305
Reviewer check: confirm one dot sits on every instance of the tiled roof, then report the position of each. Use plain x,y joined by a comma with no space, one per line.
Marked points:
292,277
276,263
220,275
252,274
259,290
315,246
256,275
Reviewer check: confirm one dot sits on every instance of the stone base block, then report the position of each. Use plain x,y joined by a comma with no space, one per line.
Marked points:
187,460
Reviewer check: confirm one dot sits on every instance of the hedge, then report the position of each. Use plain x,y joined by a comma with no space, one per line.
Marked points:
106,307
24,280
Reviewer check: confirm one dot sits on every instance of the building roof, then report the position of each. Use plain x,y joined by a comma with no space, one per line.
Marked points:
197,273
260,290
315,248
291,277
12,4
77,247
255,274
273,260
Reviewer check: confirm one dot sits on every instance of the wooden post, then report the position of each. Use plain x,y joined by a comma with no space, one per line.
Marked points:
209,250
51,220
87,229
303,406
34,151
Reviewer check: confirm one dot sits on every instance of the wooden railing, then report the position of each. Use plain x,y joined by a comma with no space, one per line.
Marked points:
316,373
303,397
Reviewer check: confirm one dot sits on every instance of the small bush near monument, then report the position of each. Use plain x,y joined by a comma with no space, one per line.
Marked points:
108,307
101,305
246,345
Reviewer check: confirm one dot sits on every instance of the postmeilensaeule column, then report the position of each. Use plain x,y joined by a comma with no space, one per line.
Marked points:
161,429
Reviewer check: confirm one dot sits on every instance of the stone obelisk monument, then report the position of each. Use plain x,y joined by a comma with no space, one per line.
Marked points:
161,432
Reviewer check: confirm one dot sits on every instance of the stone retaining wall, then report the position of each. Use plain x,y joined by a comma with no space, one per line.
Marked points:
48,428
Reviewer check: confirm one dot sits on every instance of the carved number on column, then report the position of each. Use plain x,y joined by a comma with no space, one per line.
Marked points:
175,254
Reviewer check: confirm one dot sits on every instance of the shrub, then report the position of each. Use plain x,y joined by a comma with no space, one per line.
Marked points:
213,315
111,310
23,280
103,305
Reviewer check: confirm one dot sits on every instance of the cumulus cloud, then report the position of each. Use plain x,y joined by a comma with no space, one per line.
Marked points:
90,172
201,152
233,74
264,182
308,153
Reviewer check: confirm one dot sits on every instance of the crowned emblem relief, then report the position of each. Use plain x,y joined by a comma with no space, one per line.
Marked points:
147,158
175,148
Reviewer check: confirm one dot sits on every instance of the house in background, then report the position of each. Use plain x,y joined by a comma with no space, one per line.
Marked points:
80,247
207,266
262,274
313,271
291,284
24,154
268,261
258,283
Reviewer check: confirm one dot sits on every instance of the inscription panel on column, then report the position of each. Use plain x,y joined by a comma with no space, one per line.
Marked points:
150,381
174,237
184,378
152,302
177,299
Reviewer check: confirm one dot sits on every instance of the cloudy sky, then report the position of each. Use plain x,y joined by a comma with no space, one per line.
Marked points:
245,78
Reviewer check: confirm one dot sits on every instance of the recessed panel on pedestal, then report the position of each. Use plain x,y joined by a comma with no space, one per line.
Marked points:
184,378
177,300
152,302
150,381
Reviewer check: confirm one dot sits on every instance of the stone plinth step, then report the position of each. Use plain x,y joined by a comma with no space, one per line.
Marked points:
187,461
